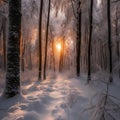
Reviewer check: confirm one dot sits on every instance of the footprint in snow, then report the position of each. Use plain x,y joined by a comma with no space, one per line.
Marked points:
17,107
13,109
31,98
54,112
49,89
63,105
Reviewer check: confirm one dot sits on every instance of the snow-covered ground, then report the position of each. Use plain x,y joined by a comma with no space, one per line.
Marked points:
60,97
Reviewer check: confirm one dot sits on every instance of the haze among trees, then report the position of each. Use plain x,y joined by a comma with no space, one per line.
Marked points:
49,38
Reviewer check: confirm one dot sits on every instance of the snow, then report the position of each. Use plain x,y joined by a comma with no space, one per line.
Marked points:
60,97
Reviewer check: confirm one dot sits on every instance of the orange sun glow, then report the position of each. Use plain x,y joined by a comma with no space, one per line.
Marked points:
58,47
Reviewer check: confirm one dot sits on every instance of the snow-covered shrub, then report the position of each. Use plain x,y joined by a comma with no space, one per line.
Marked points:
106,108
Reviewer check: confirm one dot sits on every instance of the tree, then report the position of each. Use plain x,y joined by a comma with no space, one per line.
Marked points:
22,45
40,41
109,39
4,41
3,33
12,86
78,15
46,44
78,39
90,40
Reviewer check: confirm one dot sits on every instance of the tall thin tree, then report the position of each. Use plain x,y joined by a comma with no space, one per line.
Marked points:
12,86
109,39
78,39
90,40
40,41
61,59
22,54
78,15
4,40
46,43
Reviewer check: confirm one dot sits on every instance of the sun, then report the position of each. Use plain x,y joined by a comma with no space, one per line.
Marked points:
58,47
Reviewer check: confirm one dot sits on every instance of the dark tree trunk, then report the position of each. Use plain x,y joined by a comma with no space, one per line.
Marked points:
109,39
61,60
4,42
78,41
22,55
89,42
29,55
12,86
46,44
40,42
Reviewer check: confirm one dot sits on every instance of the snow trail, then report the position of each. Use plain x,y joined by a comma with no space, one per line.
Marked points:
57,98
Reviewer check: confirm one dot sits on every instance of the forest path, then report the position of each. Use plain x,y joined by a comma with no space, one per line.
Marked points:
56,98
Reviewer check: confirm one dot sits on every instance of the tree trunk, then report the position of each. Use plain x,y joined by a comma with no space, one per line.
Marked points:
90,40
109,40
46,44
40,42
61,59
29,54
12,86
78,41
22,54
4,42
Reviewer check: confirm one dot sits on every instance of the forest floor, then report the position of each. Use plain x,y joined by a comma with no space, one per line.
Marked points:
59,97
